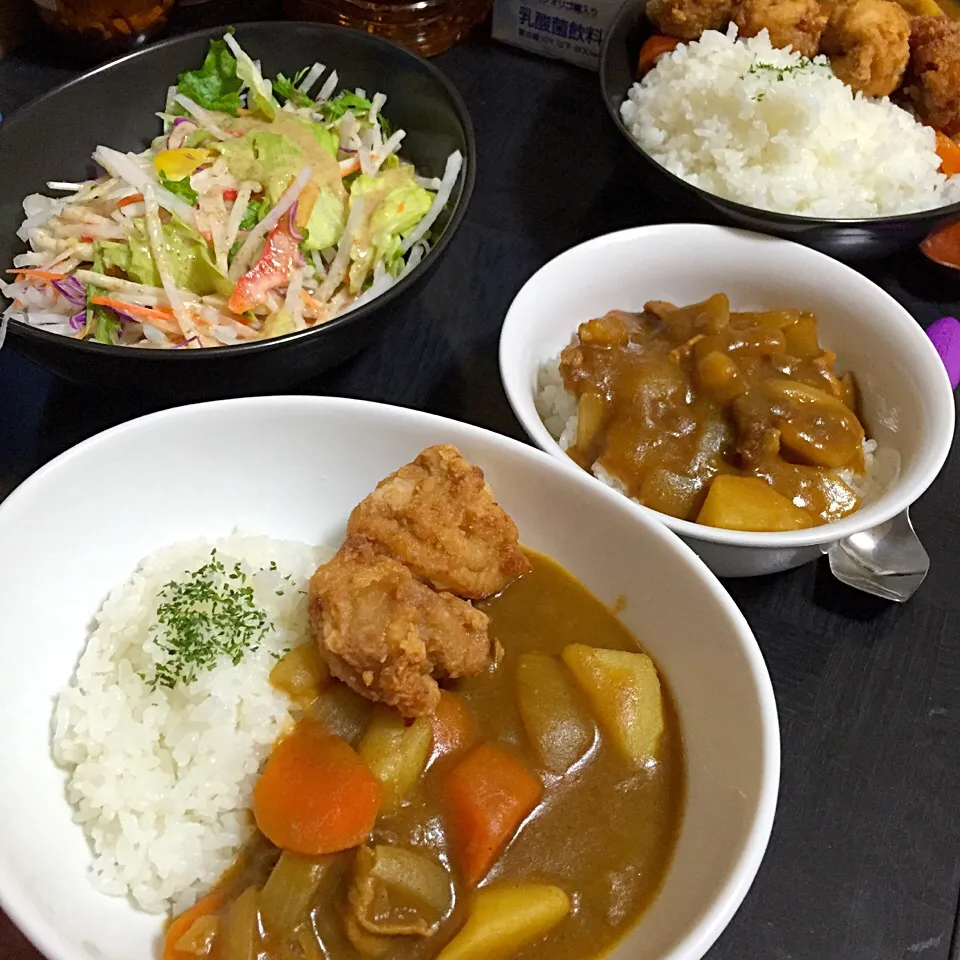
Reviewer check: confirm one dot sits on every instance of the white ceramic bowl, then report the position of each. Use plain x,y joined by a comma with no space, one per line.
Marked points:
906,395
293,468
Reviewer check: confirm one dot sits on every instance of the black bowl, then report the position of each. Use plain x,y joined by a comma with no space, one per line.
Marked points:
845,239
52,139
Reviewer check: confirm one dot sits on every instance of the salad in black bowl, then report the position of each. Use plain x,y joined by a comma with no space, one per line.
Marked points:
255,234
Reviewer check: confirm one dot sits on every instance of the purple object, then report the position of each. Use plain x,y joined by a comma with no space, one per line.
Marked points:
72,290
78,321
944,334
292,222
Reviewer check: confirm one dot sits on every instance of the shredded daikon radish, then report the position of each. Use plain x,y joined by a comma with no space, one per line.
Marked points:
98,231
293,303
30,259
365,153
329,88
67,187
454,166
390,147
154,232
376,106
338,269
288,198
236,214
203,117
318,266
313,75
125,167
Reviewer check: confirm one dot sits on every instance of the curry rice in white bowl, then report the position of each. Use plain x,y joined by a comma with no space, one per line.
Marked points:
314,459
907,401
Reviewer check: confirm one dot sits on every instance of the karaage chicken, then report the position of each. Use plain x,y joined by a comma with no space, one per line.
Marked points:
868,43
438,516
389,636
687,19
790,23
933,78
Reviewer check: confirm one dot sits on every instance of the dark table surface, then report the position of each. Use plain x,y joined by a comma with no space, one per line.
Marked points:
864,862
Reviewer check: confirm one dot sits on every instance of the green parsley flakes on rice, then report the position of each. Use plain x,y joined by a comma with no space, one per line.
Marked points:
163,749
769,128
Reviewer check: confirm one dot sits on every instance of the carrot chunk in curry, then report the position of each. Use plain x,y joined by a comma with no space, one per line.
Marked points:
674,400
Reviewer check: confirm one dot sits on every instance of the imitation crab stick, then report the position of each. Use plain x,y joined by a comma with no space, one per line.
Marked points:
271,271
316,795
133,198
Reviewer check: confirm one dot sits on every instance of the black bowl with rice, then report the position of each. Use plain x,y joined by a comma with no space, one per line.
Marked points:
849,237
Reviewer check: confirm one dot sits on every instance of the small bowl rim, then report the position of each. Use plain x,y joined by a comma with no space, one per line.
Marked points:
896,497
732,887
17,328
801,222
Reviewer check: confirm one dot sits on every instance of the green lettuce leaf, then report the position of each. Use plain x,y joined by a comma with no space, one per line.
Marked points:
398,213
112,255
270,158
327,139
255,212
325,226
261,91
189,258
286,88
334,109
102,324
180,188
216,85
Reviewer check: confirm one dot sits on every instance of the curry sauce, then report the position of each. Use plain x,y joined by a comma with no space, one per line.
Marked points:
736,420
603,831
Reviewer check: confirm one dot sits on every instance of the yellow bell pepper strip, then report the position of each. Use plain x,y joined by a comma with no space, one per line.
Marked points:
177,164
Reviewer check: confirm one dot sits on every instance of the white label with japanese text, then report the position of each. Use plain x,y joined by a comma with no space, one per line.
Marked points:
567,29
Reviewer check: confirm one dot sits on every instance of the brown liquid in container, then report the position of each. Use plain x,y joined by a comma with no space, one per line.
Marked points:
103,28
427,27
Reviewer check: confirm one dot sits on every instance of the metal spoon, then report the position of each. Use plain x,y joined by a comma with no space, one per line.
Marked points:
888,561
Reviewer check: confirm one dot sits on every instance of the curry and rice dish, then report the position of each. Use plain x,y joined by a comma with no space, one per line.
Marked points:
796,105
734,420
431,744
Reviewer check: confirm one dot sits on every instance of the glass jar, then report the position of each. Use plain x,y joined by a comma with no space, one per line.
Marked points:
104,28
427,27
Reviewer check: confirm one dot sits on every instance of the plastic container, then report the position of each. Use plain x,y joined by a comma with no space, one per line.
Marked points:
427,27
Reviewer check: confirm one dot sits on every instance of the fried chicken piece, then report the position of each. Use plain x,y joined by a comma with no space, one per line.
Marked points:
687,19
868,43
438,516
389,636
933,80
790,23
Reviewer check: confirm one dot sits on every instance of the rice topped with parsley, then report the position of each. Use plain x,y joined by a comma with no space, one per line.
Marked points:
771,129
170,713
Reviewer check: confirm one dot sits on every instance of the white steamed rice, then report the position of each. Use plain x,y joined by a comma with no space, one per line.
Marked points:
557,408
161,781
770,129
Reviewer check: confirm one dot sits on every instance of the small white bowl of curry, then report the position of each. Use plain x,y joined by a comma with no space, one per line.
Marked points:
759,398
